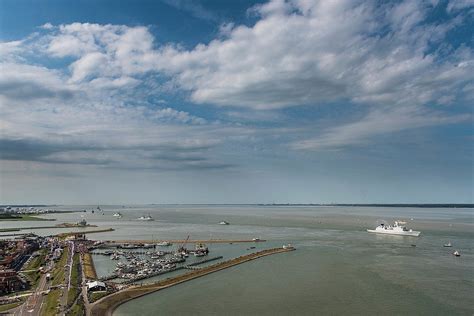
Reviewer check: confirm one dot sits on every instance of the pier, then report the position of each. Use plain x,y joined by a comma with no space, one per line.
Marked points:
131,281
63,235
108,304
194,265
130,253
190,241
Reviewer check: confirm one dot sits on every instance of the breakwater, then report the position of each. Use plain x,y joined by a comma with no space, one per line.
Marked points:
108,304
190,241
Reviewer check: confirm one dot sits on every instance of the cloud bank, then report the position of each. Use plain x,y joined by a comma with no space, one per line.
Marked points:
86,93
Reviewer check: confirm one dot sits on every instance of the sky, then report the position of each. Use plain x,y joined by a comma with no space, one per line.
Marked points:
299,101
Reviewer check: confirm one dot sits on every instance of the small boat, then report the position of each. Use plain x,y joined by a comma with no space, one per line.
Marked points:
224,223
164,244
456,253
117,215
448,244
145,218
255,239
115,256
288,246
397,229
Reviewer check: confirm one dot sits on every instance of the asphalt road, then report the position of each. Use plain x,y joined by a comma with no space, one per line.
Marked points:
33,304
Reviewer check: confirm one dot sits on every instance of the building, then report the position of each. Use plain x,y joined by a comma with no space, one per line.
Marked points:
10,282
96,286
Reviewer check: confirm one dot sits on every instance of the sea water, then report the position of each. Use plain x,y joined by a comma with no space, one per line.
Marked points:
338,268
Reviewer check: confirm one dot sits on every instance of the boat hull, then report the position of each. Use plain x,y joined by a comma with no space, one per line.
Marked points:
412,233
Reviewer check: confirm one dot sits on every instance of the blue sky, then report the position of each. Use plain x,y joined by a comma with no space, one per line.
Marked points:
236,101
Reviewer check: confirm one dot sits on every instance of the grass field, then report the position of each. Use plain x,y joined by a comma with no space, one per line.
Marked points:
51,303
4,308
88,265
94,296
75,280
59,270
77,310
34,264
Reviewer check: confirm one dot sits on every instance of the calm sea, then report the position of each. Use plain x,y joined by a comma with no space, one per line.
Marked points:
338,267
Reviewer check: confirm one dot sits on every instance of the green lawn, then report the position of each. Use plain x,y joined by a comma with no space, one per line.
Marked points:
75,270
71,295
34,264
75,282
51,303
6,307
59,268
95,296
77,310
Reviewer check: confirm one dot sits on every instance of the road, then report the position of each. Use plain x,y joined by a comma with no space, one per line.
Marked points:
33,304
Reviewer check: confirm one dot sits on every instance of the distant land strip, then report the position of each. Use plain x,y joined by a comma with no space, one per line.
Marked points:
381,205
428,205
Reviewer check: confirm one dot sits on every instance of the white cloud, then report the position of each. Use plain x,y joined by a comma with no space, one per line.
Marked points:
47,26
378,122
455,5
21,81
47,120
298,52
89,65
9,50
310,52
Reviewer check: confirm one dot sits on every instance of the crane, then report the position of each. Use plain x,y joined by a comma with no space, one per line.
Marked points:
182,246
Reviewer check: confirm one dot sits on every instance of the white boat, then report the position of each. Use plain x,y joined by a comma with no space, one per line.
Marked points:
145,218
224,223
456,253
397,229
164,244
448,244
117,215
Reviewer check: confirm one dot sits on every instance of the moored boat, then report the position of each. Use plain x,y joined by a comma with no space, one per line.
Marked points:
164,244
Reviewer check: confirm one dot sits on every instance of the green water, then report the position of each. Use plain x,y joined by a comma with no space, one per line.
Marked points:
337,269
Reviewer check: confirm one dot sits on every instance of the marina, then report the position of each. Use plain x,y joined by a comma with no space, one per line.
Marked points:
107,305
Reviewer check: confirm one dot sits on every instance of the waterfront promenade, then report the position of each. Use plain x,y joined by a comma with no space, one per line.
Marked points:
108,304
